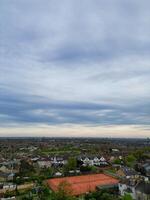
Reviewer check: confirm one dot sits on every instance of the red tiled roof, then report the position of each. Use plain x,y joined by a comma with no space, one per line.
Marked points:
82,184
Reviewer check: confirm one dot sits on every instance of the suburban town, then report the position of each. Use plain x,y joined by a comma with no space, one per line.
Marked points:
74,168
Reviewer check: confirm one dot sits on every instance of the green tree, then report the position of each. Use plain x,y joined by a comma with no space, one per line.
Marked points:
101,195
118,161
27,198
130,160
47,172
139,154
64,192
45,194
127,197
26,168
71,165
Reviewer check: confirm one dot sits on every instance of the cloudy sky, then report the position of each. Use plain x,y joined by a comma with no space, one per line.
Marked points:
75,68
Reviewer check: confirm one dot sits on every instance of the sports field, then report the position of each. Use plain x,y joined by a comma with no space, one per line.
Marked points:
82,184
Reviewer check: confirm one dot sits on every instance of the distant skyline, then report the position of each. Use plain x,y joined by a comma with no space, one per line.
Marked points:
75,68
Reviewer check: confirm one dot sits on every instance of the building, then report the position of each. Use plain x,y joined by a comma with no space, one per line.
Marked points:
146,169
6,176
3,176
143,191
93,161
58,161
127,172
138,188
44,163
127,186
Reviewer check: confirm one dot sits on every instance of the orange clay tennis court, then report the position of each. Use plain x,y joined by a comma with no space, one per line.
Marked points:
82,184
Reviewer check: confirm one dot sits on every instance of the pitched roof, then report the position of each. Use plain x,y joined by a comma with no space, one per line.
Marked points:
129,171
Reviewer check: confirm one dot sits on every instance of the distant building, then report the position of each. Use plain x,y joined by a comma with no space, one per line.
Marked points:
4,169
44,163
127,172
115,150
6,176
93,161
3,176
9,198
58,174
58,161
146,169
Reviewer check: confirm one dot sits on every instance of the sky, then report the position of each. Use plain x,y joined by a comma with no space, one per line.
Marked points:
75,68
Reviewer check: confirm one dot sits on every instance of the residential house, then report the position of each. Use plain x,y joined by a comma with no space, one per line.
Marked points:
4,169
3,176
10,166
143,191
44,163
138,188
6,176
93,161
35,159
9,186
57,174
87,161
127,172
58,161
8,198
146,169
99,161
127,186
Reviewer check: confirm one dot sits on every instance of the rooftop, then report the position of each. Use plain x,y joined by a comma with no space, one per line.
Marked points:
144,187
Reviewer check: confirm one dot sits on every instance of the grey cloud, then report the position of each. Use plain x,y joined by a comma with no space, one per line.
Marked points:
70,61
